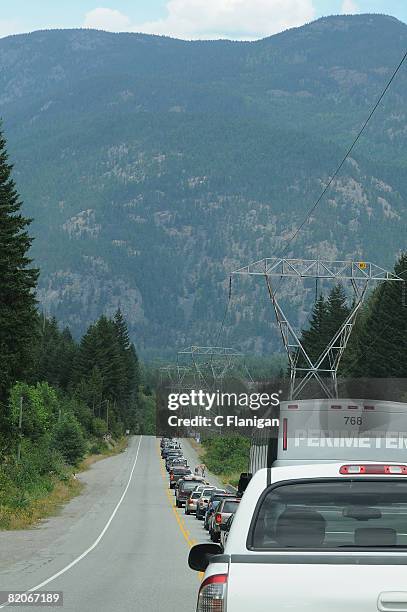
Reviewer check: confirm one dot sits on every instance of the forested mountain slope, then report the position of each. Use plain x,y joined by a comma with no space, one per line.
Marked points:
153,167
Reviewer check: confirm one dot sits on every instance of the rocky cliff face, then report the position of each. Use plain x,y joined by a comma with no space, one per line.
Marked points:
153,167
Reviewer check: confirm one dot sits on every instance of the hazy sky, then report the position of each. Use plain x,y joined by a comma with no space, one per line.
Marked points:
237,19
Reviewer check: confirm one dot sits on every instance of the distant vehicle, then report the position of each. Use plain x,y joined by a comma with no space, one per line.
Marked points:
169,458
225,529
203,502
170,450
176,473
202,483
175,458
223,512
190,504
216,495
185,488
198,481
180,461
209,517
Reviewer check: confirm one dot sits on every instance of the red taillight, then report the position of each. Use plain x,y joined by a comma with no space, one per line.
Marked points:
211,597
373,469
218,518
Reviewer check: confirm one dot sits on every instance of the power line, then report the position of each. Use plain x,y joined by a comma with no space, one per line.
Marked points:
348,152
327,186
339,167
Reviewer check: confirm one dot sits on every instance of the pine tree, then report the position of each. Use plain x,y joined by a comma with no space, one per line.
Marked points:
55,354
100,347
314,338
129,357
122,331
18,282
337,311
382,341
326,319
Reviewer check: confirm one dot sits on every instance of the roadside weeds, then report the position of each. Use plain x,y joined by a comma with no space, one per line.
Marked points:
61,491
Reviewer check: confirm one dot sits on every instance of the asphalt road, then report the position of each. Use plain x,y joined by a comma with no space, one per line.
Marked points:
121,546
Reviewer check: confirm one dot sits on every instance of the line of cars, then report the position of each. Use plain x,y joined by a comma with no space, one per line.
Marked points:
215,507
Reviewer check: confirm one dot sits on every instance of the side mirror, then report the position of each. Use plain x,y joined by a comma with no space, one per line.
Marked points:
244,480
200,554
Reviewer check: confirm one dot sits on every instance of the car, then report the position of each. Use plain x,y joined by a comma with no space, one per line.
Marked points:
171,464
180,461
225,508
190,504
198,480
184,489
217,494
203,502
225,529
175,458
171,450
176,473
211,516
166,451
170,458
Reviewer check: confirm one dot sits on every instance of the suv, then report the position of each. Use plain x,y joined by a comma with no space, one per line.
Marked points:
226,508
184,490
176,473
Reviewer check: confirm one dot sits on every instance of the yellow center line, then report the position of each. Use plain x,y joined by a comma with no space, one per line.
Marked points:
190,541
170,496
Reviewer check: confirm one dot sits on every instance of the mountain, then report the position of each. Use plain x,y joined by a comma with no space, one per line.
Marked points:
153,167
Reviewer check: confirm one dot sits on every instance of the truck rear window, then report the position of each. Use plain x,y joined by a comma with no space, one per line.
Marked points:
357,514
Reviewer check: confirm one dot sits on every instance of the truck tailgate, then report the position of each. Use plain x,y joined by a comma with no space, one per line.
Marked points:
309,587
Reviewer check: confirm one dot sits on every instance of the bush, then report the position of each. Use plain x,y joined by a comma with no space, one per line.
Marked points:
146,415
68,439
227,455
98,447
40,408
99,427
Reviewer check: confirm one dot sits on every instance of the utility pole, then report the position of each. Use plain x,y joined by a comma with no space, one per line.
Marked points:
20,426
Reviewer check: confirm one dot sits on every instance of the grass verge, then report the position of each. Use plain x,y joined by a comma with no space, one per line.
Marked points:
41,507
225,457
109,451
51,493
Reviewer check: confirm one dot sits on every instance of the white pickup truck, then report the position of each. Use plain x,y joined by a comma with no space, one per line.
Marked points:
327,533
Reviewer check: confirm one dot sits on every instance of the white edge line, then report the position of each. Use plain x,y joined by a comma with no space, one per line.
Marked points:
95,543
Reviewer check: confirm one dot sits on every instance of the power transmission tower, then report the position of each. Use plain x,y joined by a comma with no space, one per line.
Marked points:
325,368
211,364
